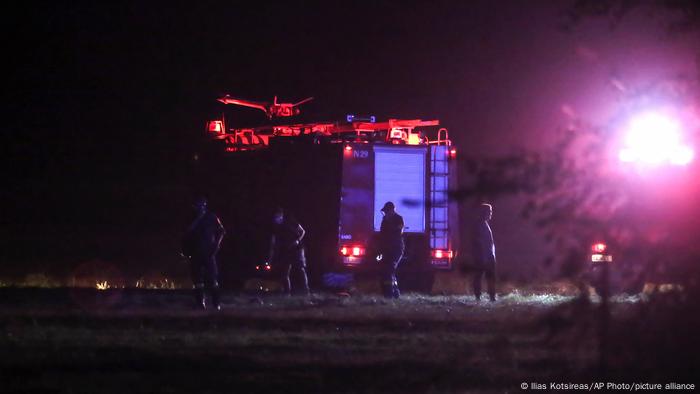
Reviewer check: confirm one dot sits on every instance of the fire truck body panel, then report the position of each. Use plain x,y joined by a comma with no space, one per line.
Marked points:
335,189
373,175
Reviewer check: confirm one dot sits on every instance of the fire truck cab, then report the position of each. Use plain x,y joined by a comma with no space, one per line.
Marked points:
334,177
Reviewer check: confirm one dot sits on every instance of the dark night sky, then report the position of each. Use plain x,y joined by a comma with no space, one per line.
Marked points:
102,102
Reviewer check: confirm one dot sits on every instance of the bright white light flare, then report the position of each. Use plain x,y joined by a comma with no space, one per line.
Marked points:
654,139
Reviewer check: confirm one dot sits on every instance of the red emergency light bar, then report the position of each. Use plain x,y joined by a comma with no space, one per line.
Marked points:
352,250
442,254
394,131
599,247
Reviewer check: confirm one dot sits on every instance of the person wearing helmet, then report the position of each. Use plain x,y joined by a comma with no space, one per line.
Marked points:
484,253
287,251
200,245
391,247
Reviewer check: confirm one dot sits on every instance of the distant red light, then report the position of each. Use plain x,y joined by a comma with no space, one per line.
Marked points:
348,148
352,251
599,247
453,152
216,126
268,267
442,254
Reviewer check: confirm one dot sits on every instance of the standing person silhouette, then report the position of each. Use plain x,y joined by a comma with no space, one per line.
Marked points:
391,247
484,252
287,251
200,245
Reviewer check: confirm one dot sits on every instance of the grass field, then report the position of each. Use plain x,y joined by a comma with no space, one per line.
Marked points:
144,341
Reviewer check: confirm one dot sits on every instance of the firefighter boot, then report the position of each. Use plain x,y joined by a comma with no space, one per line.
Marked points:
476,285
200,297
492,294
491,283
395,293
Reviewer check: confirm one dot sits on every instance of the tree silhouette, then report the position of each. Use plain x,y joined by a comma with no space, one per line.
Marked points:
577,192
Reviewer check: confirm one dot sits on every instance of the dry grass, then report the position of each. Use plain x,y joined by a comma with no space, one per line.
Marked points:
138,340
154,341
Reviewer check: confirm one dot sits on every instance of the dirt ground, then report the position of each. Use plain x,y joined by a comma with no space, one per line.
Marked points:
144,341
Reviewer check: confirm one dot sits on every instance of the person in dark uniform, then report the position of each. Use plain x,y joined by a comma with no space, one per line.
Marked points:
484,252
287,251
200,245
391,247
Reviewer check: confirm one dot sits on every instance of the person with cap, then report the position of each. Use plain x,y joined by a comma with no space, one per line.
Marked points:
484,253
287,251
391,248
200,245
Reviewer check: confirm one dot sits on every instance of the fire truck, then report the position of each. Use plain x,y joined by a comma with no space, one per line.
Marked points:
334,177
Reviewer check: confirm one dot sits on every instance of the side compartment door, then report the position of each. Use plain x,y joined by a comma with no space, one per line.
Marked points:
399,177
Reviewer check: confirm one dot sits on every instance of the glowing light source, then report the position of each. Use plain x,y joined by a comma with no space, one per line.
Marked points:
348,148
655,139
215,126
442,254
414,139
397,133
598,258
352,118
352,251
599,247
683,156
